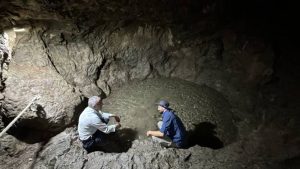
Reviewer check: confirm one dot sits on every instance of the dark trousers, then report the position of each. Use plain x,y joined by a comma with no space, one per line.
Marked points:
96,141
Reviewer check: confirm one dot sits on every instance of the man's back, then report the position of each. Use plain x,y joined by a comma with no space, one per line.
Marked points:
87,121
173,127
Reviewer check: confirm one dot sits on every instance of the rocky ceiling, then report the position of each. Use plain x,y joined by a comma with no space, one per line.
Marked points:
269,15
24,12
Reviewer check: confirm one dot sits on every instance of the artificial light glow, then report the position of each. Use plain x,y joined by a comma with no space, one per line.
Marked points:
19,29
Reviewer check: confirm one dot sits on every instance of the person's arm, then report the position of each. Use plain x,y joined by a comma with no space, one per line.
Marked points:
165,125
104,127
107,128
107,115
163,130
155,133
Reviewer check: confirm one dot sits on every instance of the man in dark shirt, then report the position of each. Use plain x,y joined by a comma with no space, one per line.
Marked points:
170,128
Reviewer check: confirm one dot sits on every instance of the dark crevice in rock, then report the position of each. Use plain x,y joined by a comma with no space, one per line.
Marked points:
83,164
37,153
30,130
48,55
4,58
39,110
187,158
63,39
78,109
3,62
100,68
205,136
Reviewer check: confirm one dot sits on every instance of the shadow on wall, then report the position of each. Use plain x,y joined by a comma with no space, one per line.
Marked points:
204,135
36,129
120,141
79,109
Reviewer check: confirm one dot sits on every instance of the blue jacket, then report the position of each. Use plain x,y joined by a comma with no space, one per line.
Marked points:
173,128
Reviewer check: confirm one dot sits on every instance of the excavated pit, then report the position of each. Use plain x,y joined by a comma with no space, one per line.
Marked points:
205,112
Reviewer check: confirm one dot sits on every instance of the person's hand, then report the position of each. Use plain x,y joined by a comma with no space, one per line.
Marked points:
148,133
118,125
117,118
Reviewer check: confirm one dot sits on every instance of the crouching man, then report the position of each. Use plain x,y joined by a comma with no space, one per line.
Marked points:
93,125
171,131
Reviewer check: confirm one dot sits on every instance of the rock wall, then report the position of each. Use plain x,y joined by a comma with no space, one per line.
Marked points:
64,65
32,74
78,50
66,51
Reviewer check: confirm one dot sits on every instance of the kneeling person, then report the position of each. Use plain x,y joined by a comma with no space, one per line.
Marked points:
93,125
171,131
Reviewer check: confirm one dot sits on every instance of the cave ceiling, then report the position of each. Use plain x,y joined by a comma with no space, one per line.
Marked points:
17,13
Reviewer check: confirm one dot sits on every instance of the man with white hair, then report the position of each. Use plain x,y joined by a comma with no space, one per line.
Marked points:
93,125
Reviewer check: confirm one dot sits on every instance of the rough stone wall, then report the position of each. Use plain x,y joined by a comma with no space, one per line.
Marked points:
4,58
74,49
93,48
32,74
62,64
